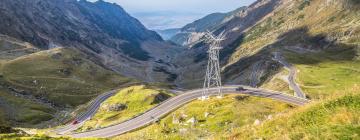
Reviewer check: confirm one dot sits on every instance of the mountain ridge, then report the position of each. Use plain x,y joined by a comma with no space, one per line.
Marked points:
208,23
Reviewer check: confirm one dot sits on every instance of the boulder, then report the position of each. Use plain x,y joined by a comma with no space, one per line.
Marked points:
116,107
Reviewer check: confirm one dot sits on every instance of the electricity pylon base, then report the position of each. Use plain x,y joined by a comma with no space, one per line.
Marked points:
213,71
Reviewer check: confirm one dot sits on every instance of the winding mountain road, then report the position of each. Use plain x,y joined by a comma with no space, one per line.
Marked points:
292,75
173,103
81,119
176,102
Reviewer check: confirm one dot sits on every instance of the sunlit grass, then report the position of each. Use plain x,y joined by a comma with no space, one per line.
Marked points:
62,75
137,99
336,118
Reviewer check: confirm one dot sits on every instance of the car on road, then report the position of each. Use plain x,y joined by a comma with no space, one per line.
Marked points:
75,122
240,89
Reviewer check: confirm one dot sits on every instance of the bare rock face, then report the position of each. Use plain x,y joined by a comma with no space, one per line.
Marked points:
102,30
72,22
116,107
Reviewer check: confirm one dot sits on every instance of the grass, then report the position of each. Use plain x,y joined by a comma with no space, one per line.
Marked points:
223,116
316,16
23,111
322,75
331,79
336,118
14,136
327,77
137,99
62,75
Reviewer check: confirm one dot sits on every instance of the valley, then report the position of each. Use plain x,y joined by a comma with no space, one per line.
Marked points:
89,70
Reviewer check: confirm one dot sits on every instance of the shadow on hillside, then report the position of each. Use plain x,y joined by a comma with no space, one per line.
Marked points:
299,47
242,67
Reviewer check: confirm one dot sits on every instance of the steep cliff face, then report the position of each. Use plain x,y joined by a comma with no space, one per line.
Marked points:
103,30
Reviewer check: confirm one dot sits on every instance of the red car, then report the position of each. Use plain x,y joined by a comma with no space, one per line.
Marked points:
75,122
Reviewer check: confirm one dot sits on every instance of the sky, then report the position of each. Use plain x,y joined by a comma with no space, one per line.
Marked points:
164,14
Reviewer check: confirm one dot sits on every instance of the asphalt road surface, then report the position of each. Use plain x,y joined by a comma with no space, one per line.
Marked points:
292,75
173,103
81,119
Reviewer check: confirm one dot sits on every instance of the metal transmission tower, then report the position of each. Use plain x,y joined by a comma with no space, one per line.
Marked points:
213,77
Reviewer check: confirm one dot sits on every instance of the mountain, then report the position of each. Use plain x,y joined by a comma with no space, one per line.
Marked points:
57,55
38,86
67,21
190,33
234,26
168,33
101,29
270,44
319,38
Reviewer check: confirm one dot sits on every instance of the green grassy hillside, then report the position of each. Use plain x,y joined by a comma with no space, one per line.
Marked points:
36,86
63,76
214,117
321,39
14,136
15,109
130,101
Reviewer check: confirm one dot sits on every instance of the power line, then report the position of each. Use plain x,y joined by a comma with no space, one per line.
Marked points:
213,77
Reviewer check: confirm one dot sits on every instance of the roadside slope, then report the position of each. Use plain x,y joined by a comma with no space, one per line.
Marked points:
336,118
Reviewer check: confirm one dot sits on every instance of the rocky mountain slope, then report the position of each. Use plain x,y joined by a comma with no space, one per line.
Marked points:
253,34
192,32
103,30
320,38
234,27
57,55
39,88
